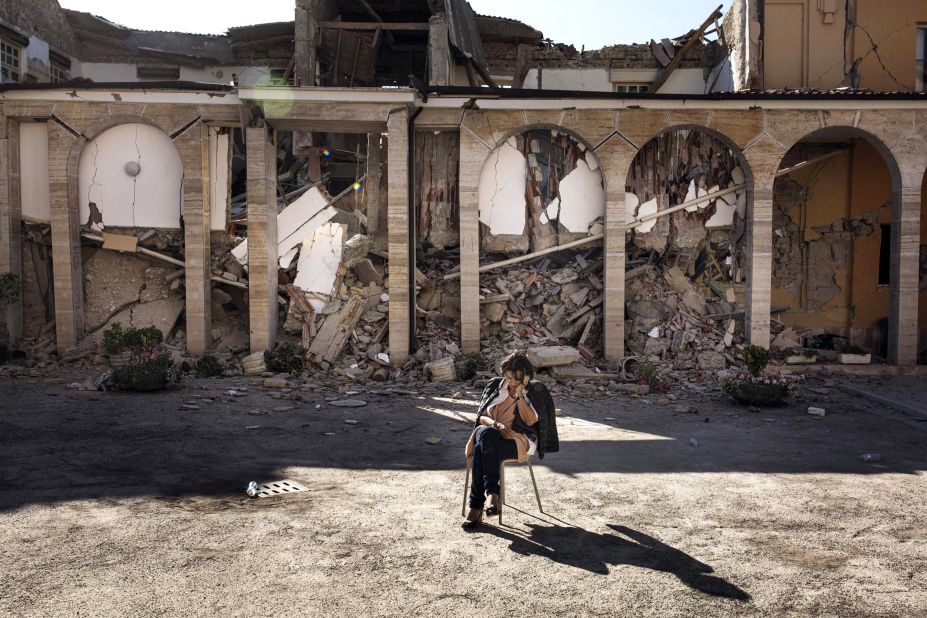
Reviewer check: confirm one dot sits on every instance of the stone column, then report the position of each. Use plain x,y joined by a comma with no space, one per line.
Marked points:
615,156
63,154
399,241
911,156
372,185
763,158
472,156
10,218
262,238
439,52
192,146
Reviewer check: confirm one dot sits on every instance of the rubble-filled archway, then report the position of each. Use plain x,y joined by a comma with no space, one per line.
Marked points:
835,200
541,188
687,193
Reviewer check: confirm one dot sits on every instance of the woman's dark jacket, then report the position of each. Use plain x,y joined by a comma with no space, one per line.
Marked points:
545,432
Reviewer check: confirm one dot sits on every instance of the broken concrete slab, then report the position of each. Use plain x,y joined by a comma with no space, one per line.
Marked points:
157,287
355,249
552,356
111,281
294,223
319,263
711,361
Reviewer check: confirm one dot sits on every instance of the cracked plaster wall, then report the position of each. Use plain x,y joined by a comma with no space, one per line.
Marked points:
151,199
826,243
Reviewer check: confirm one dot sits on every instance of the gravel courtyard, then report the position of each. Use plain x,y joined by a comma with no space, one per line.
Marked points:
686,505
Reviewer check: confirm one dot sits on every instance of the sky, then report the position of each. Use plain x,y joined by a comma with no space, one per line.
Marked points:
594,23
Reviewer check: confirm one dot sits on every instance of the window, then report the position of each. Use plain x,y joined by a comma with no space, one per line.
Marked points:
920,58
885,255
10,67
59,67
632,88
162,73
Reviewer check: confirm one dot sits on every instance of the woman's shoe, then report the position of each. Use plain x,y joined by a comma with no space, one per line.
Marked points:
493,509
472,524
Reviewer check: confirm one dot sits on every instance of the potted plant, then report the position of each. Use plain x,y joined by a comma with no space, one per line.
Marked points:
754,388
853,355
147,371
116,344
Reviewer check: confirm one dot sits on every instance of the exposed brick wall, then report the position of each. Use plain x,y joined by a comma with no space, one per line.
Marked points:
501,57
43,19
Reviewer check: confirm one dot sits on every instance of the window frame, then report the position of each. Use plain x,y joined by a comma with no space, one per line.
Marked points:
5,67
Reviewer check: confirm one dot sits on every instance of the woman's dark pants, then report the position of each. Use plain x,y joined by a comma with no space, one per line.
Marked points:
490,451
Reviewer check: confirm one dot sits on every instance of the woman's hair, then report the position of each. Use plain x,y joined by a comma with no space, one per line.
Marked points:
518,364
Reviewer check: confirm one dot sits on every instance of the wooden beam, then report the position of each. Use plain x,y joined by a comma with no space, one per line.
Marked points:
694,38
374,25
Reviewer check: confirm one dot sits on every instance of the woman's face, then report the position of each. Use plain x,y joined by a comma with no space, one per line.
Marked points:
513,379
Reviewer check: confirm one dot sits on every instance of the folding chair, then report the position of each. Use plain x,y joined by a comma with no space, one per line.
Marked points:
537,495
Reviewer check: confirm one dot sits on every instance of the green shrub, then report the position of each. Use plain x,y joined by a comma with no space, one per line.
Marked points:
209,366
114,339
287,358
118,338
648,373
756,390
756,357
147,372
470,364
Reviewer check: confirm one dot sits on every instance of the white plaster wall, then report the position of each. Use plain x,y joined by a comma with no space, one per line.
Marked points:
108,72
152,198
685,81
501,191
594,80
218,180
33,162
119,72
582,198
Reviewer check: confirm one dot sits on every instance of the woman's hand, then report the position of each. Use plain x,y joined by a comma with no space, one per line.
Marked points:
522,386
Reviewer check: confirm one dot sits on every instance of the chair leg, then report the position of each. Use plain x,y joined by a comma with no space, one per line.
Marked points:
501,490
534,483
463,510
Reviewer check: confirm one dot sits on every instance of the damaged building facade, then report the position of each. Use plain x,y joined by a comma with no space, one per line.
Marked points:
400,183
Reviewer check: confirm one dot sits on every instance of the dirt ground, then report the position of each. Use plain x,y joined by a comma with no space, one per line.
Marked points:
126,504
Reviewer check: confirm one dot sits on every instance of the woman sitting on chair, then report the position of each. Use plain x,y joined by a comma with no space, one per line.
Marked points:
507,428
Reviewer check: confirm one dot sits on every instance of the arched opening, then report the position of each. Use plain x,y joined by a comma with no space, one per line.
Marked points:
130,176
130,185
832,248
686,204
540,189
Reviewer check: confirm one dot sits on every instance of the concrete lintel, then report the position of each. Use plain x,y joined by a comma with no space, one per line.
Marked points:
262,238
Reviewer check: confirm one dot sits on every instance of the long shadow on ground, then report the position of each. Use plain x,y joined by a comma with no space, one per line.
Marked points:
595,552
58,445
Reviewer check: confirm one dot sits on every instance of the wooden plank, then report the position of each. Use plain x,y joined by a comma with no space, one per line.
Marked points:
332,337
694,38
374,25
